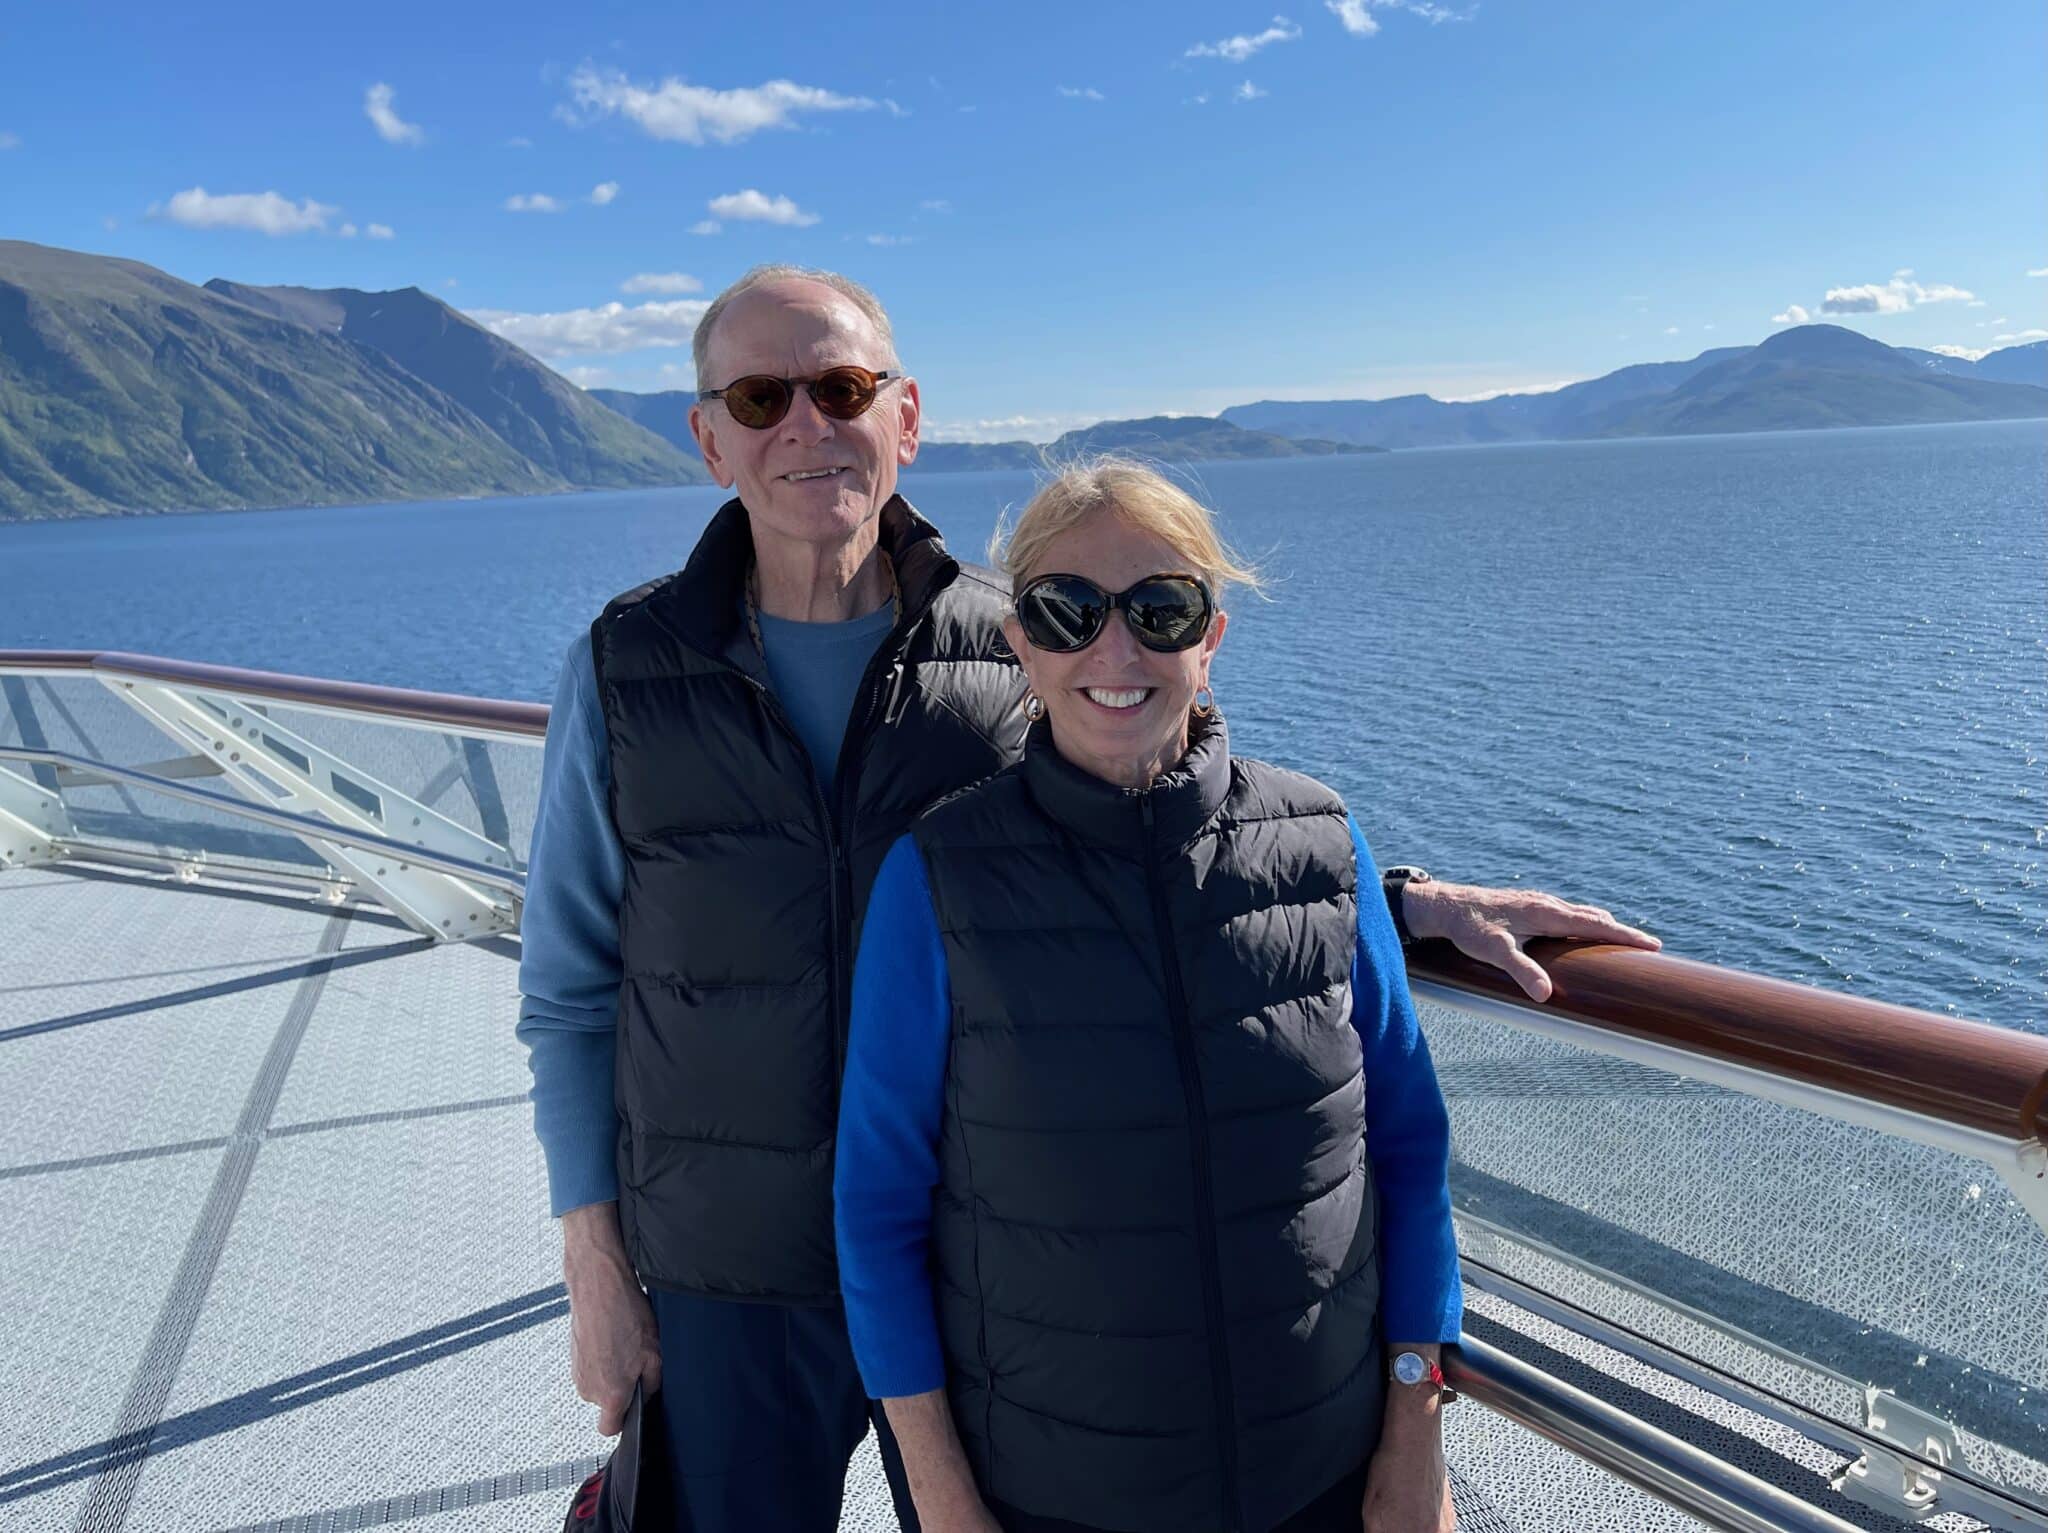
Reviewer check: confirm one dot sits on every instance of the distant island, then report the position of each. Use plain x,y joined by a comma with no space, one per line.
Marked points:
123,389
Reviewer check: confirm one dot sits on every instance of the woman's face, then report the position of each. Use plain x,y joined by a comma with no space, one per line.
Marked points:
1118,709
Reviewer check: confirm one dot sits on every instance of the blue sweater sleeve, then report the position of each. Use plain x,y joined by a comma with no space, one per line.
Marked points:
569,963
1408,1137
889,1115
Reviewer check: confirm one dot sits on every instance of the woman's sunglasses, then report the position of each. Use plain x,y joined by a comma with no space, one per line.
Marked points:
758,401
1063,613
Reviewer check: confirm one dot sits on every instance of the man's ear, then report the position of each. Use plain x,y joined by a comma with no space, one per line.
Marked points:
707,444
910,412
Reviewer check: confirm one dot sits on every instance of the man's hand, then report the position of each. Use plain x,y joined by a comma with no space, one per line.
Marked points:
1491,925
612,1340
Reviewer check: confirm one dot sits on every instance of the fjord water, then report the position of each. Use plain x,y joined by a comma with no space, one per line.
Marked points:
1779,697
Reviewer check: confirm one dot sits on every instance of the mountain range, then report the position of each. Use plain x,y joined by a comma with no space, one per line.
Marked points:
125,389
1807,377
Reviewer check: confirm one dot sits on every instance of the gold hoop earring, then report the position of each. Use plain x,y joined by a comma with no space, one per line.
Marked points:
1205,703
1034,708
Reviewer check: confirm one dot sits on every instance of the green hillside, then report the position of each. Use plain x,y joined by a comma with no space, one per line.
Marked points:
124,389
532,409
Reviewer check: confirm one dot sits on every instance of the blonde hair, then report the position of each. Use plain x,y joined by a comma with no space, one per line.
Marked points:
846,287
1139,495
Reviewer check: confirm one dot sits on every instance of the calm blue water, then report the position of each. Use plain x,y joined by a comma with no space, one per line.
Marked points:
1780,698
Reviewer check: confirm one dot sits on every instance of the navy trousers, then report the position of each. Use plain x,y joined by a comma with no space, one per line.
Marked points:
763,1408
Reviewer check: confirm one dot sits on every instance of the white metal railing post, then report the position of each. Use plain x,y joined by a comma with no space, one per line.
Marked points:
34,824
278,768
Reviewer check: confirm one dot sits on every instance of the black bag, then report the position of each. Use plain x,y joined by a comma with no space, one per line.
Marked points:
631,1490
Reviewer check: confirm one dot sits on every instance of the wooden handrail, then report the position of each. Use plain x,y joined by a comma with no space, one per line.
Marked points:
447,709
1971,1074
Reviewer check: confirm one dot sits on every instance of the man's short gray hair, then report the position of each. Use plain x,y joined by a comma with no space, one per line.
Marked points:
852,291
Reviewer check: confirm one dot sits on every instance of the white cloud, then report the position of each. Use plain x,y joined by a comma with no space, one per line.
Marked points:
586,377
2037,271
1241,47
533,202
661,282
603,193
1893,297
380,232
609,327
1005,428
262,212
1353,13
1671,329
751,206
1521,388
347,231
1247,92
13,141
2019,338
380,105
936,205
450,283
892,239
1793,315
1200,98
1967,353
707,226
693,114
1081,93
518,143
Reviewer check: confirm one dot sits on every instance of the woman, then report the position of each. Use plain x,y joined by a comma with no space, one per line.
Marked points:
1117,1251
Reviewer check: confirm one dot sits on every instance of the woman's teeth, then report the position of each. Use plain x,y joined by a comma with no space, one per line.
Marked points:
1109,698
812,473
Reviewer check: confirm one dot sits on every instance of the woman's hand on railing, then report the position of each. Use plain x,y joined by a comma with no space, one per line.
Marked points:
1490,926
1407,1489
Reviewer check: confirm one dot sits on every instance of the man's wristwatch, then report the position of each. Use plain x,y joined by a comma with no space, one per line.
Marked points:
1392,882
1413,1368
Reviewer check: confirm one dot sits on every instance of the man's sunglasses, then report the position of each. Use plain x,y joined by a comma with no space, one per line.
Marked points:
759,401
1063,613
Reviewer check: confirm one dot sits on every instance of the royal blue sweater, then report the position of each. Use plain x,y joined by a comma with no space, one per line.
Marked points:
894,1097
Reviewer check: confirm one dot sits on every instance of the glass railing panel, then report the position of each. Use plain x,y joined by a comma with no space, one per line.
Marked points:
1804,1256
463,794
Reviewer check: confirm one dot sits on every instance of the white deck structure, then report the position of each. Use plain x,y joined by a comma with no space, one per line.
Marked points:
277,1253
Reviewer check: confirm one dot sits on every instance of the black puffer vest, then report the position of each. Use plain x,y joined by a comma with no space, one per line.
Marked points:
1155,1229
745,888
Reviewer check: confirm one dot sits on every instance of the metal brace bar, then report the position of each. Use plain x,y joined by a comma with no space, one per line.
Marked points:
277,768
34,824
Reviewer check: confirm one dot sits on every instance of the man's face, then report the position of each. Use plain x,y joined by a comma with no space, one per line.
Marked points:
797,329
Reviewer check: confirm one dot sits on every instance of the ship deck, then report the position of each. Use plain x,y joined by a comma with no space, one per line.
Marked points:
279,1255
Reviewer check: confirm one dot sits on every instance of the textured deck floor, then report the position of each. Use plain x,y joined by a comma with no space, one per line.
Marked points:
278,1254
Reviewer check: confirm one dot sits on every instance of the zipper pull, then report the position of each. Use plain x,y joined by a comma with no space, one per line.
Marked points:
892,710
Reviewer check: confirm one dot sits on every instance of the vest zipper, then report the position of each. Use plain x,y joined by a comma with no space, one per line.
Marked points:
1199,1156
839,892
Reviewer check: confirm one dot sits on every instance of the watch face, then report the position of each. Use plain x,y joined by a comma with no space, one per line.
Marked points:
1409,1368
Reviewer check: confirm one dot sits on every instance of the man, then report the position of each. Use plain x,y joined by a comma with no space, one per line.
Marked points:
732,750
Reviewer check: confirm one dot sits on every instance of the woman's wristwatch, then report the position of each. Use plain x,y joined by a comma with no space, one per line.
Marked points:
1413,1368
1392,882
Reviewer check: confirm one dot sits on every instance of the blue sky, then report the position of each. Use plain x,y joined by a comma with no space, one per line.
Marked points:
1078,211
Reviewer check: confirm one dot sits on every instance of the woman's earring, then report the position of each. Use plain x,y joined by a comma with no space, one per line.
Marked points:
1205,703
1034,708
